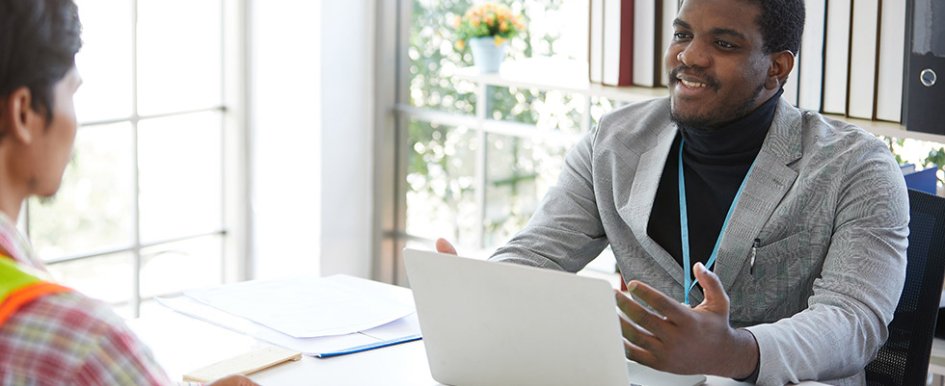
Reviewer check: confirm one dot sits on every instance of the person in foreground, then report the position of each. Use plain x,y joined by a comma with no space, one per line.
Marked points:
755,237
49,334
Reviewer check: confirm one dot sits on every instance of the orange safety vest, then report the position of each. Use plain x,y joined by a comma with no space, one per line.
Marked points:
18,288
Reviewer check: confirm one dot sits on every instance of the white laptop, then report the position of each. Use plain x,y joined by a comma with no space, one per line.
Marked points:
488,323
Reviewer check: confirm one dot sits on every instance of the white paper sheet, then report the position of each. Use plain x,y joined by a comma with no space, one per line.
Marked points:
309,307
309,346
206,313
406,326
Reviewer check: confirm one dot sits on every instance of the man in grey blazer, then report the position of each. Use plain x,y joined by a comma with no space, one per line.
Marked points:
801,220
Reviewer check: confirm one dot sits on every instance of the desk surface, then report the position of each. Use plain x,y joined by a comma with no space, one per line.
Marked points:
182,344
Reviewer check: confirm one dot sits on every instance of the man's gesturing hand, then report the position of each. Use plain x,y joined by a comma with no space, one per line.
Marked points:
443,246
673,337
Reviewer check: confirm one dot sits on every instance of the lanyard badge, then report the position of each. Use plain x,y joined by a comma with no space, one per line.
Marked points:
688,282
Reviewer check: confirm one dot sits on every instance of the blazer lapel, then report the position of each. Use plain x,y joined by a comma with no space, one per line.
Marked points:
636,210
770,179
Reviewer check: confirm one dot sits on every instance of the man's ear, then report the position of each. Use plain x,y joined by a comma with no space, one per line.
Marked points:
781,65
17,115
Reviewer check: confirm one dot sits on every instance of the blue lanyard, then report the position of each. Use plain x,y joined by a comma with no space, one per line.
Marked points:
688,282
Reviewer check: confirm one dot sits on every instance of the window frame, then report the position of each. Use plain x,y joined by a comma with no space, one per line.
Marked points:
235,220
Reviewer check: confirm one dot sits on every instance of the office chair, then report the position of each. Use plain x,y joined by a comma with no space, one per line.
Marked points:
904,358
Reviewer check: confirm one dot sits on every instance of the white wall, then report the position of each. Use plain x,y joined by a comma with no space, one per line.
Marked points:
347,136
310,115
284,110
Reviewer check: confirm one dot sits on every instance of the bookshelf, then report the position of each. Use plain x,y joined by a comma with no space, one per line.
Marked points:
571,77
556,75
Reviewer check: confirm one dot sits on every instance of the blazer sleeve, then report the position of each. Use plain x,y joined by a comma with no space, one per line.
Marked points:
856,294
565,233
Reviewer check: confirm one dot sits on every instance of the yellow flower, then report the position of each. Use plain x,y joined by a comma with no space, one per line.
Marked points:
487,19
460,45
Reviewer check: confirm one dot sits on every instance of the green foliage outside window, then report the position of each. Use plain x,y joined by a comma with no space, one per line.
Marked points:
442,172
923,154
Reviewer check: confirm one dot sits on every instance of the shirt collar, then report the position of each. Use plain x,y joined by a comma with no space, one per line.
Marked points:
16,245
743,135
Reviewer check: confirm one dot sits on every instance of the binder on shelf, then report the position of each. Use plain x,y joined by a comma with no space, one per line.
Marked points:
863,41
595,58
836,58
925,77
646,24
810,60
670,8
892,37
618,43
625,77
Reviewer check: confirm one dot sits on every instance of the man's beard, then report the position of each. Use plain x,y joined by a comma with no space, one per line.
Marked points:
720,117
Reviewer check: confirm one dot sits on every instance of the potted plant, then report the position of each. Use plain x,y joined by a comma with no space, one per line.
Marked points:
486,28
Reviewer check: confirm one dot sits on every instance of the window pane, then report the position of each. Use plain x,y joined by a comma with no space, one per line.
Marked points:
180,175
544,109
92,210
105,60
520,172
433,57
171,268
552,31
179,55
441,182
108,278
555,28
520,168
599,107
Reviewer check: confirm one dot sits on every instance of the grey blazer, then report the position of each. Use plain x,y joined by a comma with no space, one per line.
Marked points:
826,200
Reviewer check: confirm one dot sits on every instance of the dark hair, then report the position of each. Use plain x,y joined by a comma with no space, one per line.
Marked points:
38,43
781,23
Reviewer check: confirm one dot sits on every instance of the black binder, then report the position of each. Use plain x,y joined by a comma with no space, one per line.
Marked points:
924,79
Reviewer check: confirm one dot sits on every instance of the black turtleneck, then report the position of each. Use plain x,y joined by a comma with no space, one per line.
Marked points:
714,163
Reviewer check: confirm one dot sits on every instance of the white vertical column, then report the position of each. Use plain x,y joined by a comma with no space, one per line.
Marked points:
347,130
285,123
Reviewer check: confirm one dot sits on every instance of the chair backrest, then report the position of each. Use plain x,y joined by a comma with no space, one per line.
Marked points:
904,358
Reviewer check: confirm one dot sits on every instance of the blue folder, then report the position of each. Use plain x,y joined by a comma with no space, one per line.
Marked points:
922,180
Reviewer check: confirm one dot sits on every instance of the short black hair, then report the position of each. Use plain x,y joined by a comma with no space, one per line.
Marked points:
38,43
782,24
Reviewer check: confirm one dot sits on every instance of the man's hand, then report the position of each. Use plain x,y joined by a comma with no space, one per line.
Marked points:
443,246
234,380
685,340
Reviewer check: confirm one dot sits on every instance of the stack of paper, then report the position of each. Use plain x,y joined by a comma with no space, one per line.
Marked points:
311,315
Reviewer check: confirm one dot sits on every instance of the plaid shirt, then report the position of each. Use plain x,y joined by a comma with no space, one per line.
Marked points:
67,338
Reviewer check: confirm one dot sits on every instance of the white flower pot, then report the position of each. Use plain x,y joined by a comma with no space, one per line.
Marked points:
487,56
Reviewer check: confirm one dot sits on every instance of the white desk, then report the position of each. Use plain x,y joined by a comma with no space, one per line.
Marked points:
182,344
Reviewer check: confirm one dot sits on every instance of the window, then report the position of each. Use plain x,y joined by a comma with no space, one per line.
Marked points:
478,159
142,209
